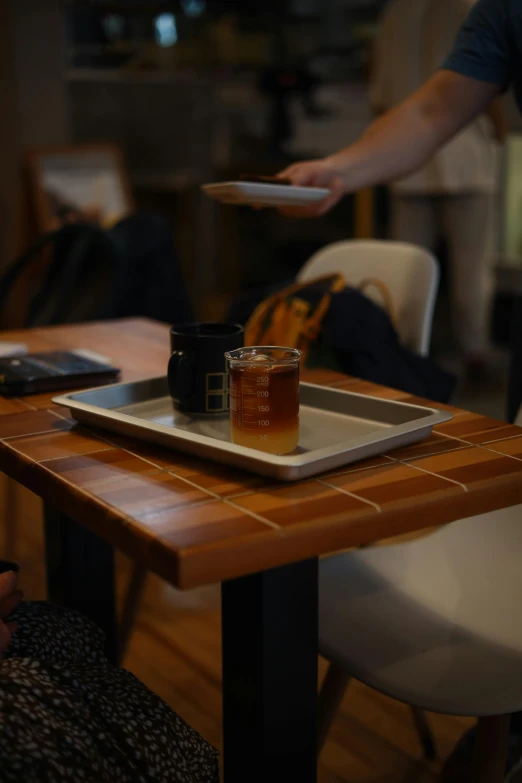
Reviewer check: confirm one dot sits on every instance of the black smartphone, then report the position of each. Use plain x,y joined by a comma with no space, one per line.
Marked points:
5,566
54,371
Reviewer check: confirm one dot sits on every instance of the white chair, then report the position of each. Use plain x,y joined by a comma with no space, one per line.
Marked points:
434,623
410,273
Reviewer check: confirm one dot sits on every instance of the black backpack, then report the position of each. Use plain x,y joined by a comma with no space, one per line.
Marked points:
93,274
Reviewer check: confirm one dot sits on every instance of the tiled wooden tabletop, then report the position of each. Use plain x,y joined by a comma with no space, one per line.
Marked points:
196,522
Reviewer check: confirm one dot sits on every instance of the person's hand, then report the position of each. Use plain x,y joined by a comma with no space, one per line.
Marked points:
315,174
10,597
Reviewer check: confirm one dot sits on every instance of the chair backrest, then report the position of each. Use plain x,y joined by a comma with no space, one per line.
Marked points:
410,273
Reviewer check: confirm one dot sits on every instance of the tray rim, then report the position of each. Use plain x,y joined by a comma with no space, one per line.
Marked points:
295,461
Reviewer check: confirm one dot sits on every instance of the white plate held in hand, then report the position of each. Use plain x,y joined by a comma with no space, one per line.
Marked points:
264,194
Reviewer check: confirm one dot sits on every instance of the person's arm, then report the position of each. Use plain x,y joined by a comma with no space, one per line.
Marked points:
476,72
400,141
404,138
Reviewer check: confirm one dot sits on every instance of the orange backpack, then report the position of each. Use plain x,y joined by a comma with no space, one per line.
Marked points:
289,318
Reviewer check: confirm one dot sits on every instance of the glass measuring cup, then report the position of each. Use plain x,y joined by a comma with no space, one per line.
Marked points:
264,398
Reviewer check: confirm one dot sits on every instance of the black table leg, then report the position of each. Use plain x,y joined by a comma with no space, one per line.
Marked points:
270,629
80,574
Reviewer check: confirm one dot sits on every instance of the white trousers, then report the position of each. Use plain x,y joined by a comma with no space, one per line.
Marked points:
468,223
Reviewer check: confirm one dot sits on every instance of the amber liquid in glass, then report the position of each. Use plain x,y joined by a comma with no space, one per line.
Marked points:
264,407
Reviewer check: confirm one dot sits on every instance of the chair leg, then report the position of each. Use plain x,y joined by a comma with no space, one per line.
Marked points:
131,605
491,746
426,738
330,697
10,518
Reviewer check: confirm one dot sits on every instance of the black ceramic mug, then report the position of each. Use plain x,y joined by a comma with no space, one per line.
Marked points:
198,373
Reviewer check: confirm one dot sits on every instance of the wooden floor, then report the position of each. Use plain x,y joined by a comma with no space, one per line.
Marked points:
175,650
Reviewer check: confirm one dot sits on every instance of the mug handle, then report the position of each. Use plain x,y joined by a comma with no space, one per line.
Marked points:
180,376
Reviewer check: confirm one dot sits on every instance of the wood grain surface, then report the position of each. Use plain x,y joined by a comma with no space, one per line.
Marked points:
195,522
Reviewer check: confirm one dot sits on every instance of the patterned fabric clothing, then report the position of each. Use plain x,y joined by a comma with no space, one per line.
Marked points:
67,715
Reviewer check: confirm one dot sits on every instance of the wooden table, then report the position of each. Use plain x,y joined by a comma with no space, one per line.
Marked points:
194,522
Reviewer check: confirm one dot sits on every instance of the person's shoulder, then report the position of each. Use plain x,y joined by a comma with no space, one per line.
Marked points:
483,13
483,47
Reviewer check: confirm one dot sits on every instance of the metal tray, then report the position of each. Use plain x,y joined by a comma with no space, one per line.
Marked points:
337,427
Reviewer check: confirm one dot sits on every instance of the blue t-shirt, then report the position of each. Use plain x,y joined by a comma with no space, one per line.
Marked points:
489,45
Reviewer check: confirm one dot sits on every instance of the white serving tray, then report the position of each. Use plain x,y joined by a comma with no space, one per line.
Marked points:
336,427
264,194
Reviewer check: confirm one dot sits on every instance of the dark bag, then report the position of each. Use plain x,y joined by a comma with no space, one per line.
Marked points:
154,286
365,344
93,274
357,337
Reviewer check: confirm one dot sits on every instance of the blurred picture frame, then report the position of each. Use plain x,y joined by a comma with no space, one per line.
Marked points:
511,202
78,183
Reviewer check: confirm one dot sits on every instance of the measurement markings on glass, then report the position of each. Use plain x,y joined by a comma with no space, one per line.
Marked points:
254,410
